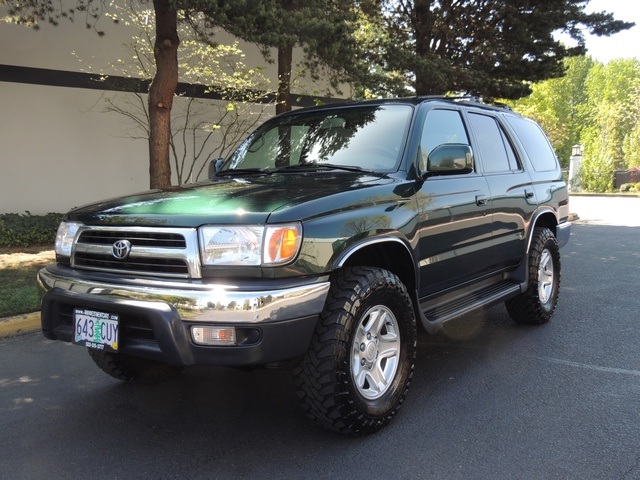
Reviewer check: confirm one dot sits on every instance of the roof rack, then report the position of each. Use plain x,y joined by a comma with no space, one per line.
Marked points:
470,98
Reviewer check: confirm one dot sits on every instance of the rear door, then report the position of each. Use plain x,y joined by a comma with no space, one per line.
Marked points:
513,199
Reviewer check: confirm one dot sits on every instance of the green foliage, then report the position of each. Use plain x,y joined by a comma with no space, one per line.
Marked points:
18,230
559,106
613,119
595,105
323,29
490,48
631,147
630,187
613,92
597,171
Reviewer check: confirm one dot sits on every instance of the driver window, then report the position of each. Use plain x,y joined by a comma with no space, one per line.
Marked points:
441,127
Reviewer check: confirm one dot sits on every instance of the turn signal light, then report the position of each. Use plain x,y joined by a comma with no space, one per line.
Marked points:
215,336
282,244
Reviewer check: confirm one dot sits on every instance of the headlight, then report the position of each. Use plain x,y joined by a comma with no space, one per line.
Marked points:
64,237
250,244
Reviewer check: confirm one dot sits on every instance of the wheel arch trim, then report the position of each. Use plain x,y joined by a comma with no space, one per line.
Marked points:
536,220
355,248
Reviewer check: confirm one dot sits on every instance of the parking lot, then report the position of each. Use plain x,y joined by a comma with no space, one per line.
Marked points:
490,399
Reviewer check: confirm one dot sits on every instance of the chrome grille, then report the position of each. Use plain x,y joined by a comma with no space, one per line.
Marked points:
161,252
145,239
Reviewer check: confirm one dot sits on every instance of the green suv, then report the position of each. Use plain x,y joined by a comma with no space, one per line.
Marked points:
324,242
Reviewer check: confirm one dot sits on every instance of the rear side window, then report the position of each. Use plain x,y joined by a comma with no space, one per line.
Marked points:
535,144
495,151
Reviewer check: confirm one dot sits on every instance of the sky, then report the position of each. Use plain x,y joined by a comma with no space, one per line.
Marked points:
625,44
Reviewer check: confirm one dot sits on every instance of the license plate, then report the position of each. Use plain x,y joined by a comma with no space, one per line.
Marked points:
97,330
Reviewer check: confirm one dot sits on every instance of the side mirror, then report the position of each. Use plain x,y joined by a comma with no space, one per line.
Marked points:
450,159
214,166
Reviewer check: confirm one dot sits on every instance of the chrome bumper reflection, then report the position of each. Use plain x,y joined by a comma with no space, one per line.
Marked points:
204,302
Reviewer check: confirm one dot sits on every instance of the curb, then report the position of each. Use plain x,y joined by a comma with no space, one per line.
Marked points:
20,324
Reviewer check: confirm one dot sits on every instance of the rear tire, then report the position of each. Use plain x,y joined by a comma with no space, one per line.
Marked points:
133,369
537,304
356,373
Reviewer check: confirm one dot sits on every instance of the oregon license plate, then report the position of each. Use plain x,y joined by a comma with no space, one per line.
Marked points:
97,330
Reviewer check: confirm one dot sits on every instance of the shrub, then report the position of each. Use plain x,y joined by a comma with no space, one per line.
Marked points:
17,230
630,187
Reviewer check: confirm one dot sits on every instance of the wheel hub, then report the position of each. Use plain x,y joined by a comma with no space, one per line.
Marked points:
370,351
376,351
546,276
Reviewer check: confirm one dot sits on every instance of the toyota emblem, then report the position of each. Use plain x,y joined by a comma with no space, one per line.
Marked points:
121,249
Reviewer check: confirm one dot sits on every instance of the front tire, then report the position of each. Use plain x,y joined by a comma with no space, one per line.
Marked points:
537,304
133,369
356,373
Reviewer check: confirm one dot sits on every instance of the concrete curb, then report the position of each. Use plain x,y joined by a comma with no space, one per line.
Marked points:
20,324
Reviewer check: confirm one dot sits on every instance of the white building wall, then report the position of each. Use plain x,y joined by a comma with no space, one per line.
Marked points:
57,152
58,149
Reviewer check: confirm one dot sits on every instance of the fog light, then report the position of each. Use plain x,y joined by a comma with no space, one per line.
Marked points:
208,335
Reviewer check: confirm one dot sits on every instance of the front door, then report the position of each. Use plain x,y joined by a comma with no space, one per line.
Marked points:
455,221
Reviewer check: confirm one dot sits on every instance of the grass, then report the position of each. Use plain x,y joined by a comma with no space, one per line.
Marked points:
18,286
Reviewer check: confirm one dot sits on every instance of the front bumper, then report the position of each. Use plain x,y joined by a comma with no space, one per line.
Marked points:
274,319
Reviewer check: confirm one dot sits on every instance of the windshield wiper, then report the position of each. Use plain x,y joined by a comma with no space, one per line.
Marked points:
243,171
316,166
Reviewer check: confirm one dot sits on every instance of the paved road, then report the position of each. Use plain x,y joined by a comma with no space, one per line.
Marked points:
490,399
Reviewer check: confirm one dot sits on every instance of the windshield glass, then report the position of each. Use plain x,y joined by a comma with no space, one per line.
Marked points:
366,137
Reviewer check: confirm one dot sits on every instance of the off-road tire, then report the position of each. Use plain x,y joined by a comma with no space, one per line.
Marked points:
333,380
133,369
537,304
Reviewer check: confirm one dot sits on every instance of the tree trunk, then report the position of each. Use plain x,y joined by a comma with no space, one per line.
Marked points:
161,92
285,63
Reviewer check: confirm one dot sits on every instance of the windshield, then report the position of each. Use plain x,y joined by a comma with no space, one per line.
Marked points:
366,137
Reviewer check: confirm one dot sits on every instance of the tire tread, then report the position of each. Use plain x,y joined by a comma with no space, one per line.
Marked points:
320,386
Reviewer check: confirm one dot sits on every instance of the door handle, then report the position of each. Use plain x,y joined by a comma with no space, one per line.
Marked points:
528,193
481,200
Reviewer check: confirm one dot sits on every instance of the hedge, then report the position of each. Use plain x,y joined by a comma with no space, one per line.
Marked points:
18,230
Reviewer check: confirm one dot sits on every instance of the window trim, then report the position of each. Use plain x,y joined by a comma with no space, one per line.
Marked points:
422,124
505,134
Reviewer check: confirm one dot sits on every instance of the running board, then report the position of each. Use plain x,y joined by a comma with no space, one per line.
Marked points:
435,312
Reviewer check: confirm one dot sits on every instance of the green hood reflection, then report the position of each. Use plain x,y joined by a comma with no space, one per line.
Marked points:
227,200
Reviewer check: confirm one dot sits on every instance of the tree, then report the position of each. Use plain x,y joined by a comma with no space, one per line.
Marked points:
323,28
161,92
595,105
612,121
488,47
200,129
164,83
559,105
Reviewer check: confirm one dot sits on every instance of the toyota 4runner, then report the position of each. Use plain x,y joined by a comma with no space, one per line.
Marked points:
325,240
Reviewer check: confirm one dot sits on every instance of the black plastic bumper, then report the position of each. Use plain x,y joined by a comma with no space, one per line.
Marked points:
156,331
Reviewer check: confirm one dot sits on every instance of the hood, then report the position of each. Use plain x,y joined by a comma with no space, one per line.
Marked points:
246,200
